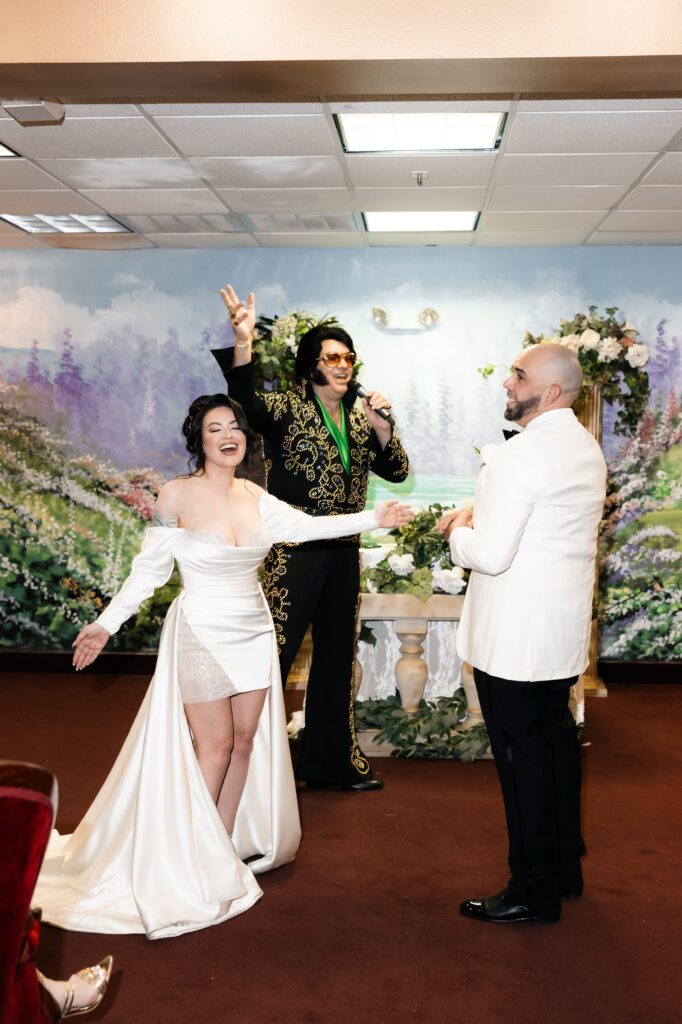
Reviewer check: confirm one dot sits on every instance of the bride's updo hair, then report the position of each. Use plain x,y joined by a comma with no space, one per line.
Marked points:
193,427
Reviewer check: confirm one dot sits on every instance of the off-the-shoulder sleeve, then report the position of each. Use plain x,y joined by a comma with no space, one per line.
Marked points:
288,524
151,568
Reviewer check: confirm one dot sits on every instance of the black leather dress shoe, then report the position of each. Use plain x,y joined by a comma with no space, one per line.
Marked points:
355,787
504,909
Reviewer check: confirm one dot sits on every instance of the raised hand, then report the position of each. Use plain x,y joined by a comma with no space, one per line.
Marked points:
88,645
242,318
393,513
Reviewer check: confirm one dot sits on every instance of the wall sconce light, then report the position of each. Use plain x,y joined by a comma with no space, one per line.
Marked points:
428,317
404,321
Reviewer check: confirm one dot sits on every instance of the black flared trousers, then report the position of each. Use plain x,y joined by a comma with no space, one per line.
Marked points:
537,755
318,583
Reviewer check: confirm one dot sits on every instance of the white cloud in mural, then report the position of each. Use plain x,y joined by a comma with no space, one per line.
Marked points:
40,313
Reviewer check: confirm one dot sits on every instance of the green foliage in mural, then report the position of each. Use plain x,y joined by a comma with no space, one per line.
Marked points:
69,528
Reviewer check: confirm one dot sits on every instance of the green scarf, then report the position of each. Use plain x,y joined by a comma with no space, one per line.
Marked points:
340,434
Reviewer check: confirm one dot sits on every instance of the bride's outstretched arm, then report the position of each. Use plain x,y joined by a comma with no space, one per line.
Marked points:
289,524
151,568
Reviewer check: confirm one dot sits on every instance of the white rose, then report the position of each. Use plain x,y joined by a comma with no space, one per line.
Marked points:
590,339
609,348
637,355
629,329
402,565
457,570
572,341
448,581
487,453
372,587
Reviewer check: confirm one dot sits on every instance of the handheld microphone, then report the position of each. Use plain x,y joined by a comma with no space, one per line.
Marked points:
356,387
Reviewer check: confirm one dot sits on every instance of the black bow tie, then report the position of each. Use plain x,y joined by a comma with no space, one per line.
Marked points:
510,433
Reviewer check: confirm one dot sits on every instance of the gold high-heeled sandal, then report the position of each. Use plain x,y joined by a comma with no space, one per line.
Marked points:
97,976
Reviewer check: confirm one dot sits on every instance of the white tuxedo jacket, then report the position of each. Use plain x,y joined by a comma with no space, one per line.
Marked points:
538,503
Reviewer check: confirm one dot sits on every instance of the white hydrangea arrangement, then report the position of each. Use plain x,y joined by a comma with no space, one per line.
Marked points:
419,563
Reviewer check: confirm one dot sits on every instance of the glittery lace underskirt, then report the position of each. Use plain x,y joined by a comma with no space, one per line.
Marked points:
200,676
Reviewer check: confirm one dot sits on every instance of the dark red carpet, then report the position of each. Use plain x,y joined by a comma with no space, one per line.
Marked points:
363,927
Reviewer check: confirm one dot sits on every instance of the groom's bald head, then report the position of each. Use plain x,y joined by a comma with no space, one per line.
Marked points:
543,377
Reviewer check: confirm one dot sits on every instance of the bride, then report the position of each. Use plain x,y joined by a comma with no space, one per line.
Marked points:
202,796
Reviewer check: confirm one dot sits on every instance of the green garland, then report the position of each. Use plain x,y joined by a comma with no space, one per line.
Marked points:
429,734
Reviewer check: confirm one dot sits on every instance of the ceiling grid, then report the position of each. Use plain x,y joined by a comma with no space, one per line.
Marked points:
195,175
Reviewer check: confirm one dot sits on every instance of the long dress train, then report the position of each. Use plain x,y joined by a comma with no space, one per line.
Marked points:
152,854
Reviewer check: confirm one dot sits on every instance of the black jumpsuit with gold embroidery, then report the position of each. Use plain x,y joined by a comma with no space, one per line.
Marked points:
316,582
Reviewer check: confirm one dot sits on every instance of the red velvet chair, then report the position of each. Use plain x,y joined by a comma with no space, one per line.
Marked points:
28,797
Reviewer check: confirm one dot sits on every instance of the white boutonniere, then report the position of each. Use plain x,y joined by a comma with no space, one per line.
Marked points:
486,453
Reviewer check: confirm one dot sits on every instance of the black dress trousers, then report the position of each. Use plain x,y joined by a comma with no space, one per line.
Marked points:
317,583
537,755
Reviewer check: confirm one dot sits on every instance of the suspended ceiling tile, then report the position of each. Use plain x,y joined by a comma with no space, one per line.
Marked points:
87,137
420,238
150,200
24,176
321,240
184,240
228,109
525,239
668,171
288,135
643,220
585,197
270,171
636,238
393,171
601,104
593,132
546,221
294,200
572,169
416,198
654,197
101,110
128,172
100,243
19,240
63,201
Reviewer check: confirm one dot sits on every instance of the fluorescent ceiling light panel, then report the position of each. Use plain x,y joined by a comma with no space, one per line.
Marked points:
418,133
5,151
422,220
65,223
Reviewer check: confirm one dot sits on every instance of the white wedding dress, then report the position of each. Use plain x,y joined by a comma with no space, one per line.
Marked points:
151,854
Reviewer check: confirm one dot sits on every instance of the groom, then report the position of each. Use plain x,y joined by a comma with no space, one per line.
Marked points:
525,625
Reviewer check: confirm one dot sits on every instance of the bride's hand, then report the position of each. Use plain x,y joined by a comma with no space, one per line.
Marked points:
88,645
393,513
243,319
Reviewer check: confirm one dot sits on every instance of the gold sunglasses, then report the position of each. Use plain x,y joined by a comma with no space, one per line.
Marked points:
335,358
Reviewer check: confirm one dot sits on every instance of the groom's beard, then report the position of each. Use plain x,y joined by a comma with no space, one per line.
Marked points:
518,410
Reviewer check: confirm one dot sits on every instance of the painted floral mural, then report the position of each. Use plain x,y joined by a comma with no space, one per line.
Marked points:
92,393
